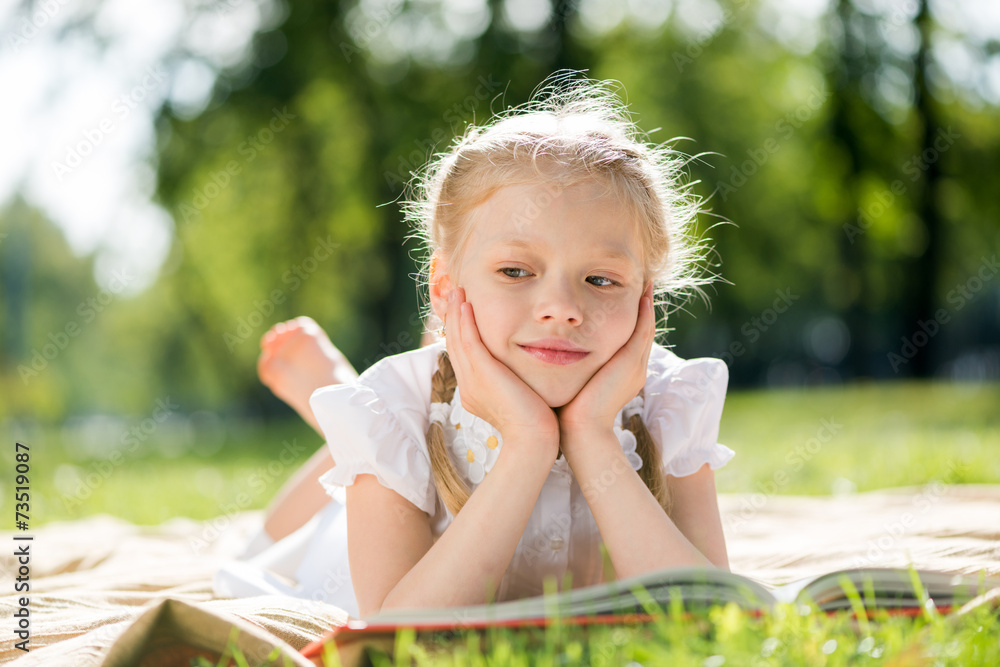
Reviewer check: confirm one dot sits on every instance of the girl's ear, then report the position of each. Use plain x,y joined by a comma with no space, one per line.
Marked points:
440,285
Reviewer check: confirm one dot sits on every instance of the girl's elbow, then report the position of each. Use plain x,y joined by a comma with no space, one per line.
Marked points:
366,610
720,561
368,606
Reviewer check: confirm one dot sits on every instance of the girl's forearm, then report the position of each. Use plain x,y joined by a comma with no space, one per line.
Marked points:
638,534
468,561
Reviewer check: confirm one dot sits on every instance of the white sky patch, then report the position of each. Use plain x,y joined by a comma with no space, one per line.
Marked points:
468,19
79,140
796,24
79,136
527,15
598,17
191,89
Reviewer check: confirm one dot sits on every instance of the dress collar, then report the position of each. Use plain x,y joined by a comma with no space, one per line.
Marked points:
475,444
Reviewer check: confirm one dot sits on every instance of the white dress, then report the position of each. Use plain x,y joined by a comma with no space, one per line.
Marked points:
378,425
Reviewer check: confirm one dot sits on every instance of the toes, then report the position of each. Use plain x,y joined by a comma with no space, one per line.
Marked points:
281,333
272,334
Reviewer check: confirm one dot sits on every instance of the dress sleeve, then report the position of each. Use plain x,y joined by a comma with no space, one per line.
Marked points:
366,437
683,408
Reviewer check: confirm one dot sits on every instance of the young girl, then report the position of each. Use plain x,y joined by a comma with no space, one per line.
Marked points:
546,424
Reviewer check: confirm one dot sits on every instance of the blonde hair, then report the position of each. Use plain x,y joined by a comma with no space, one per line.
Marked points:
573,130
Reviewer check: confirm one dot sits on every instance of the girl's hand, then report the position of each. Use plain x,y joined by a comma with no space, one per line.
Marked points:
489,389
615,384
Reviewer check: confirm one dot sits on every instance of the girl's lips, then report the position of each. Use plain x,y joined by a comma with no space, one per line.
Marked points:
551,356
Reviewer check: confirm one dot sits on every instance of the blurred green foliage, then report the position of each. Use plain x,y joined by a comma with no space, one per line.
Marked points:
284,193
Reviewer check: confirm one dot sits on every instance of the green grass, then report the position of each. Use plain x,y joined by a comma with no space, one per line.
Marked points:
792,635
863,437
174,472
728,636
813,441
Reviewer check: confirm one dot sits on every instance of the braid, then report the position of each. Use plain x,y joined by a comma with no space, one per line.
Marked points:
651,471
453,491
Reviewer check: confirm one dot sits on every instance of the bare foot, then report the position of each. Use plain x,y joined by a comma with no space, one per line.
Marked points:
296,359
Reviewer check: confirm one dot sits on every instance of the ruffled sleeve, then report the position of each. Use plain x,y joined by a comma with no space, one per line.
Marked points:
683,408
366,436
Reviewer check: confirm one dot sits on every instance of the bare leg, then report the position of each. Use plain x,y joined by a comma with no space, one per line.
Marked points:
296,359
300,498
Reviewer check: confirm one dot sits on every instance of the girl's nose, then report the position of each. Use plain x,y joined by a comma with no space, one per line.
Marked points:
558,301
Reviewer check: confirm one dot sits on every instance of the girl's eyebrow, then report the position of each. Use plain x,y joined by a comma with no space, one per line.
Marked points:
615,253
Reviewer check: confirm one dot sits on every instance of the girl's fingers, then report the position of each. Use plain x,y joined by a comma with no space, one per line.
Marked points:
631,361
453,340
647,318
474,354
641,340
471,341
645,331
650,335
462,337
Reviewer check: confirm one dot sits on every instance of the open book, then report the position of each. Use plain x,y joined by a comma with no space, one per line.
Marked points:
899,590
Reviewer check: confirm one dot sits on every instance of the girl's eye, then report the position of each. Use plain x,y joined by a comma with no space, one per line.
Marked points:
513,272
601,281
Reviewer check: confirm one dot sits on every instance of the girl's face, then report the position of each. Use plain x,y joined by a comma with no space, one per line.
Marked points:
554,276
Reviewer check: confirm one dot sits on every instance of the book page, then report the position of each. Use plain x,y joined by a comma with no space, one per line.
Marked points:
697,587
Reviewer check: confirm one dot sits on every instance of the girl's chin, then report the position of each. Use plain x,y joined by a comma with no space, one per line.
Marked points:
555,388
557,396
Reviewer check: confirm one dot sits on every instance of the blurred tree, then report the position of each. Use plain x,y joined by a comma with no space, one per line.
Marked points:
50,308
812,132
361,124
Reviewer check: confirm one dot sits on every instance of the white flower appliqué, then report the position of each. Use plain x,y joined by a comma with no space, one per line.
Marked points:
474,441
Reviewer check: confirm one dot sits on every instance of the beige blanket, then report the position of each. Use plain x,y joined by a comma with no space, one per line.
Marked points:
92,578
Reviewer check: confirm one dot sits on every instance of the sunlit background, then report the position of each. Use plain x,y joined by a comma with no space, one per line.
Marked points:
171,169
